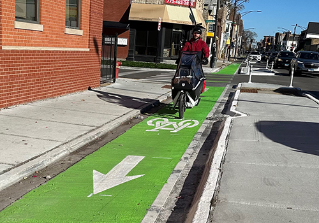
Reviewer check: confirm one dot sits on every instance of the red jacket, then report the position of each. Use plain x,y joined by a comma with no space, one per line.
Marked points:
199,45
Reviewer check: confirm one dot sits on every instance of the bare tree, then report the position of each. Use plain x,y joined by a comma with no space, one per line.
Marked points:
237,5
248,37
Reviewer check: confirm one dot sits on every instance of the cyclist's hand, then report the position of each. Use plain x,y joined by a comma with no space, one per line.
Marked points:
205,61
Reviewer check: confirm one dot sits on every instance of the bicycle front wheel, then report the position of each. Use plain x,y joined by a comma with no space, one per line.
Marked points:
181,105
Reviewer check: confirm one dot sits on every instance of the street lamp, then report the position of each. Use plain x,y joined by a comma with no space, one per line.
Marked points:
295,31
287,30
245,13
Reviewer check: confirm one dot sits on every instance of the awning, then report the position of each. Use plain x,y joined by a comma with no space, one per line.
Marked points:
118,25
168,14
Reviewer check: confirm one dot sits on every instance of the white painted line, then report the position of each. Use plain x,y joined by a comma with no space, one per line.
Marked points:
117,175
235,103
212,183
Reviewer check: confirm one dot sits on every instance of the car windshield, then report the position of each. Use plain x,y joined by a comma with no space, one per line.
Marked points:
311,56
254,53
287,54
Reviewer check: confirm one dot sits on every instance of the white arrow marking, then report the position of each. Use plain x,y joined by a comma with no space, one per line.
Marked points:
117,175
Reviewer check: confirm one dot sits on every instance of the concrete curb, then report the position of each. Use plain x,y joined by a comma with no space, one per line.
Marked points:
310,96
214,175
26,169
236,72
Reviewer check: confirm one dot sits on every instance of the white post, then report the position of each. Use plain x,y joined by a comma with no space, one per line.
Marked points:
291,77
272,66
250,67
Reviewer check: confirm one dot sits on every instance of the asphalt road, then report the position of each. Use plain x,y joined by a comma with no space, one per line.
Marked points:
305,82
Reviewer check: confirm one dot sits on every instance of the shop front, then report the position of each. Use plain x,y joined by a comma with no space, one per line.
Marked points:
158,32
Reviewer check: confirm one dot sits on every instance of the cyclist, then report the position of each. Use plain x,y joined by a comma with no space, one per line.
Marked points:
197,44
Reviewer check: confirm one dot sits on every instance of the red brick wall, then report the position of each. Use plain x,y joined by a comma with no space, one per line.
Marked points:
122,51
29,75
113,11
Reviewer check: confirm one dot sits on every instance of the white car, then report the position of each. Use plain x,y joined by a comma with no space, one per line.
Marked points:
255,56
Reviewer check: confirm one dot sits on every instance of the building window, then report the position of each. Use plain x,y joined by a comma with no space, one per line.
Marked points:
72,14
146,42
27,10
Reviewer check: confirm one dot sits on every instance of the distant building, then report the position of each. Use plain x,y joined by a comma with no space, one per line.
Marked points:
268,43
309,38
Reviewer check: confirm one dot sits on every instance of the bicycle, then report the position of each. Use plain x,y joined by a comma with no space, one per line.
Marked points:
188,82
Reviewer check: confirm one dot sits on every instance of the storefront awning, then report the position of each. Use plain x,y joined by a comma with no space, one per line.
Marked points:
168,14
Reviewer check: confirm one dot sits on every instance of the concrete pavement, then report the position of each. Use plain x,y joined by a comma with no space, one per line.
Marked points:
266,167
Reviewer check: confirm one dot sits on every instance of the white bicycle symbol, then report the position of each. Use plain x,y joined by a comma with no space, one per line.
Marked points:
165,124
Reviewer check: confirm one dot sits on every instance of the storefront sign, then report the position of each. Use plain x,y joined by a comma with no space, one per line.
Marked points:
210,30
181,2
122,41
111,41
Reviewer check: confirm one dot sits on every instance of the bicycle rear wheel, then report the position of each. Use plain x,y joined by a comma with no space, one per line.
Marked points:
181,105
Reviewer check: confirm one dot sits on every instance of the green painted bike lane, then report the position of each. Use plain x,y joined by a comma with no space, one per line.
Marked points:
149,151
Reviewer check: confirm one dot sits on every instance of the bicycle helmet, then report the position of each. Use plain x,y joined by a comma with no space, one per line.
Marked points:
197,29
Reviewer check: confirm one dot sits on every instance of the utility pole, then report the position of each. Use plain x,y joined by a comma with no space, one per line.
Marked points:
214,45
232,28
293,41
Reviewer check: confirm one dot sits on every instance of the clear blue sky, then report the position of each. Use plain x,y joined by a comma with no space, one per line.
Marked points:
279,13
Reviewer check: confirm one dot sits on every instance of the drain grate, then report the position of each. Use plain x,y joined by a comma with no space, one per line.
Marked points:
249,90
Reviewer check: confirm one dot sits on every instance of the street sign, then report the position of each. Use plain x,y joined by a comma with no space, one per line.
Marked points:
159,24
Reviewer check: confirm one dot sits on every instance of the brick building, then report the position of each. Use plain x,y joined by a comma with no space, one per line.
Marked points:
309,38
48,48
115,22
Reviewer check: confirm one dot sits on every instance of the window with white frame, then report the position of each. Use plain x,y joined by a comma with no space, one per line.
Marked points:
72,14
27,10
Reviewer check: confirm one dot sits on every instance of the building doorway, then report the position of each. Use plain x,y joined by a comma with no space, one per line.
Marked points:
176,43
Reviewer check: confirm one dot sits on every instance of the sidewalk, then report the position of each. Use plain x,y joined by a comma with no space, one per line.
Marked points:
37,134
270,157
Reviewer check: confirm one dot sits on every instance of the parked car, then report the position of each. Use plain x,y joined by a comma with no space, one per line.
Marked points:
272,56
305,62
255,56
265,56
283,59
